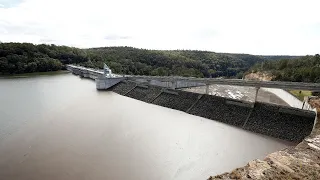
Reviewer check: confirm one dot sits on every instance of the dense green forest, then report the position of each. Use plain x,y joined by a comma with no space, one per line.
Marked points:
18,58
301,69
129,60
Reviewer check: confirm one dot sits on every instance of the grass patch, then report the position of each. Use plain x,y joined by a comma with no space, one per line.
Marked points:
300,94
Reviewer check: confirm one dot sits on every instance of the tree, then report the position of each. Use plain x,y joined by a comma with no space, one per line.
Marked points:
301,69
317,57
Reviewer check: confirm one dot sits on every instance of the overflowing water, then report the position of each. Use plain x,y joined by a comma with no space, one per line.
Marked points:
60,127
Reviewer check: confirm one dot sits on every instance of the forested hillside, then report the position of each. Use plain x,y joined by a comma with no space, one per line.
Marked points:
302,69
129,60
18,58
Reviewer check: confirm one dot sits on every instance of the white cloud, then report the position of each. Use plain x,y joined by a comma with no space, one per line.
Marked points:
248,26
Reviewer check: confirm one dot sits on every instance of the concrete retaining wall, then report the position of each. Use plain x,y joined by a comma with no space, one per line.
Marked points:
291,124
105,83
289,98
171,85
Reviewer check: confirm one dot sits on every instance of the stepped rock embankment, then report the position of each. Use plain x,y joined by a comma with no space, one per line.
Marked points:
281,122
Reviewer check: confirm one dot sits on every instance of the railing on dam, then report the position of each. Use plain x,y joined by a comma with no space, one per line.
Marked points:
72,67
238,82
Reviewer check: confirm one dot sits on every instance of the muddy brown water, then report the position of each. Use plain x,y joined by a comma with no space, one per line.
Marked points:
60,128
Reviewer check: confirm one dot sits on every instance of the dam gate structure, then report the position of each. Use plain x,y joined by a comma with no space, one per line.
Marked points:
283,122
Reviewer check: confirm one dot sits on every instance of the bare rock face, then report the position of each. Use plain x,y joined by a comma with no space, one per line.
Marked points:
301,162
260,76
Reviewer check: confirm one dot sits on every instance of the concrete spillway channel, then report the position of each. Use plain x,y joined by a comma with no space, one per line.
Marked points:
281,122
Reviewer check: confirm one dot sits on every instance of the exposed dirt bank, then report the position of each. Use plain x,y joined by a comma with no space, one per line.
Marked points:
262,76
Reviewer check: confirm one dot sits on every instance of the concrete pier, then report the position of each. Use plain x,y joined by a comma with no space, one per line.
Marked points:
106,83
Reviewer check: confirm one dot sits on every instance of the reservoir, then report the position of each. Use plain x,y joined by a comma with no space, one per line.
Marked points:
61,127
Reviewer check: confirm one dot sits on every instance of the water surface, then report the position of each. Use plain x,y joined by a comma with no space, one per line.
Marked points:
61,128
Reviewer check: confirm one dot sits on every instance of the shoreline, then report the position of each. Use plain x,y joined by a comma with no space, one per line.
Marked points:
25,75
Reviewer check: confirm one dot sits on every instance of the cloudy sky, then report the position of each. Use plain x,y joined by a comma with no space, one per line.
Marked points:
279,27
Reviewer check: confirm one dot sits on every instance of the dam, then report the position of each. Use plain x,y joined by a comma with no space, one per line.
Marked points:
283,122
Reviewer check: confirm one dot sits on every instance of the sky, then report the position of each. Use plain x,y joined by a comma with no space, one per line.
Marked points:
261,27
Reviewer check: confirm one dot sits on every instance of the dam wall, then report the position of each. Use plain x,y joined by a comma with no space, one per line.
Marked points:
178,100
123,87
282,122
229,111
279,121
287,123
145,93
